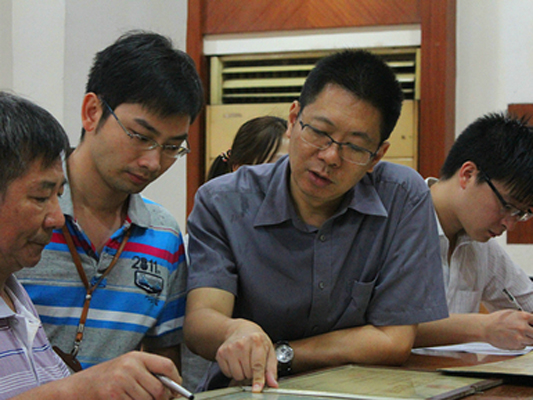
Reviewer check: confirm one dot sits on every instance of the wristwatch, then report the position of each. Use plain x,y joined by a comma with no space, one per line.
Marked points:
285,355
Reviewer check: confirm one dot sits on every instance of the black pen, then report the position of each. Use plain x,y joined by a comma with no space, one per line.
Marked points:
169,383
513,300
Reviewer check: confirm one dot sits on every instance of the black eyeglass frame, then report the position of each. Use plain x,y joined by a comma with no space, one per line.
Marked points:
182,150
340,144
508,208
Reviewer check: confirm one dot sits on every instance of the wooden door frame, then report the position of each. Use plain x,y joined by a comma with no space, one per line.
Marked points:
437,19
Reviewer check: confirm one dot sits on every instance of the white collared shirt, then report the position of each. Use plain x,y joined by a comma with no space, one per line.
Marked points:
478,272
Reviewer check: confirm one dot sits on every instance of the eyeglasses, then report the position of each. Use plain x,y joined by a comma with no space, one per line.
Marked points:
144,143
507,208
347,151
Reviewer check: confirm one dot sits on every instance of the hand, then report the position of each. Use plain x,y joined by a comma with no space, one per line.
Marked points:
509,329
248,353
129,376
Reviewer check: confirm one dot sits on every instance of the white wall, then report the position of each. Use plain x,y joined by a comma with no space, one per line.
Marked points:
47,47
6,50
494,69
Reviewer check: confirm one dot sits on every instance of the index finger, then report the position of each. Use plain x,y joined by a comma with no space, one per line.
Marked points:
258,361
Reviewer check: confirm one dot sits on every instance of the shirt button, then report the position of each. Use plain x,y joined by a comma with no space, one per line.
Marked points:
322,238
321,285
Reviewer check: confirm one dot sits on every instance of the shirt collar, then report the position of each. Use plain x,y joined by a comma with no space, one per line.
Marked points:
278,207
14,286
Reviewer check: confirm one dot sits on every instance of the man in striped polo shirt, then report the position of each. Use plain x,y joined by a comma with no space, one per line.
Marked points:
112,280
31,145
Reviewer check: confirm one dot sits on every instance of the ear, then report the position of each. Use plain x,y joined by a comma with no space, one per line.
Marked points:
91,112
467,174
293,116
379,155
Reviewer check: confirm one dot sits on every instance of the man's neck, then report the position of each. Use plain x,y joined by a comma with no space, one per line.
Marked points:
99,209
442,196
315,214
5,296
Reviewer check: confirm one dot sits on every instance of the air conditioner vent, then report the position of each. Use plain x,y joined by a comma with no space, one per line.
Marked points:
278,78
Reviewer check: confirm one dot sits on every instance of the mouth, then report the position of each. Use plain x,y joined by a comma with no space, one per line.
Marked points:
139,179
495,234
42,240
319,179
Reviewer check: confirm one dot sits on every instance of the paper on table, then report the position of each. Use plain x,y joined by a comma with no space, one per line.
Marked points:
473,347
379,383
518,366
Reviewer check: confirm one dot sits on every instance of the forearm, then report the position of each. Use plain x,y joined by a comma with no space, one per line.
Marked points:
458,328
204,332
362,345
506,329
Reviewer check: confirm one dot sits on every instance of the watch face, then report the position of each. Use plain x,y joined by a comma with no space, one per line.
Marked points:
284,353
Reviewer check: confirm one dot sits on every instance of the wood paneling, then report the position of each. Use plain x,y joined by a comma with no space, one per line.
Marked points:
523,232
237,16
437,94
437,20
195,47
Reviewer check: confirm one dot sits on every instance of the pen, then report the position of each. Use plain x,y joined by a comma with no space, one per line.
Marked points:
512,299
169,383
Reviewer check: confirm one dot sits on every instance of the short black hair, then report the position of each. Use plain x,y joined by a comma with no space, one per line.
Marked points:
501,146
363,74
143,68
27,133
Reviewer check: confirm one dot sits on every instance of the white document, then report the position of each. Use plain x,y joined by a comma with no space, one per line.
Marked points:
473,347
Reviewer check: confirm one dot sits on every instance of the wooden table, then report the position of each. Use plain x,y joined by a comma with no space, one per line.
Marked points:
511,389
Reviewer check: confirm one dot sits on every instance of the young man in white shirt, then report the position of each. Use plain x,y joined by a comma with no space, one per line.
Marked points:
486,188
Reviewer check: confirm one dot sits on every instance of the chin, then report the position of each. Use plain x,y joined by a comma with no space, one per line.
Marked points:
483,239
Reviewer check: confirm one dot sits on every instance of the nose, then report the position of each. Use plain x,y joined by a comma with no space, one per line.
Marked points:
509,222
151,159
331,155
54,218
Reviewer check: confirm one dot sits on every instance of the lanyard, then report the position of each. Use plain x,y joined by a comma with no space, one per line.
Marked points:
89,289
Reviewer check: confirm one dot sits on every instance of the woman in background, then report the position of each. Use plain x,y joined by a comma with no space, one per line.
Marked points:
258,141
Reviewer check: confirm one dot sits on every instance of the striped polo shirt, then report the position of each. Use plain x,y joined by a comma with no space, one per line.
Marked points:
26,357
140,302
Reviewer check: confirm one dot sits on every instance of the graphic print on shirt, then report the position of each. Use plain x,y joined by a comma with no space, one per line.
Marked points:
147,275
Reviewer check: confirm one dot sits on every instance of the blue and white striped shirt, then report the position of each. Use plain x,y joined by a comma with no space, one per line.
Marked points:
141,301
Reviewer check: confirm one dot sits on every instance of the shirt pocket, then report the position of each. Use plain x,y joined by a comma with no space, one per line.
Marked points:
355,312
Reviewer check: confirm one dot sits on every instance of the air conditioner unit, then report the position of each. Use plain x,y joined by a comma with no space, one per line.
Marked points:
252,85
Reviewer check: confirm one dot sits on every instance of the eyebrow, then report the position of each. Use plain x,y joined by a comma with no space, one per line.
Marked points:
360,134
145,124
50,184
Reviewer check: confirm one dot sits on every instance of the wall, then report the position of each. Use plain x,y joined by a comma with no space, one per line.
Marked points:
494,68
46,50
6,50
47,47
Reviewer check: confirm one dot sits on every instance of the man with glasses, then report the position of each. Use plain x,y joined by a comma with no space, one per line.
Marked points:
112,279
326,257
486,188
